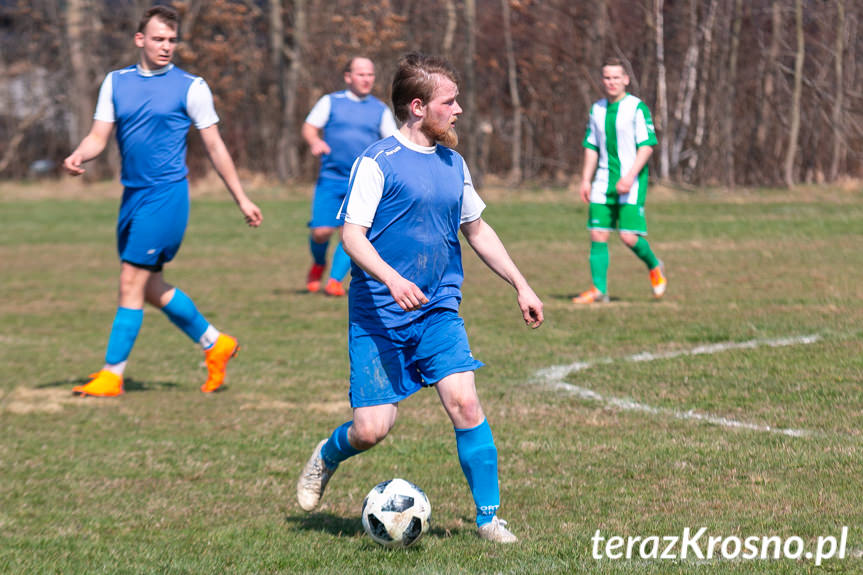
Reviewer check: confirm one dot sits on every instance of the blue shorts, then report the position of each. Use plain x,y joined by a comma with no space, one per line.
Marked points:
389,365
151,224
329,195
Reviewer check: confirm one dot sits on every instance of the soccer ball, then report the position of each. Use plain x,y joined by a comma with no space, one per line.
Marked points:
396,513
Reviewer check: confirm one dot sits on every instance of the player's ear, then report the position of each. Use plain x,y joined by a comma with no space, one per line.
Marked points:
418,107
139,39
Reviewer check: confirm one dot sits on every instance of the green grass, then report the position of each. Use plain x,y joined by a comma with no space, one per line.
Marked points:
167,480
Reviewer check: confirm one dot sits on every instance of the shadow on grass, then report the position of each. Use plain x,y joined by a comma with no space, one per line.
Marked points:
129,384
349,526
568,297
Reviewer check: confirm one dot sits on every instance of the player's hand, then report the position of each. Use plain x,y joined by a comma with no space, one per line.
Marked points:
320,147
531,307
252,213
584,190
407,294
72,164
624,185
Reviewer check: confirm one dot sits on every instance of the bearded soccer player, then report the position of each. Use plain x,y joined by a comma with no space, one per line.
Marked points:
617,145
409,196
152,104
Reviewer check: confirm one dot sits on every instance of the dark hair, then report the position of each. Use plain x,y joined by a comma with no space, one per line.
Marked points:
350,65
417,77
167,14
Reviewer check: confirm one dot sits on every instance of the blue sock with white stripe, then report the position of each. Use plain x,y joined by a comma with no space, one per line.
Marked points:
182,312
341,263
338,448
124,332
478,457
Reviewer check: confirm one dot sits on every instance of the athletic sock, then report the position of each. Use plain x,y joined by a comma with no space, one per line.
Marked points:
209,338
644,253
319,251
478,457
599,265
341,263
338,448
182,312
124,332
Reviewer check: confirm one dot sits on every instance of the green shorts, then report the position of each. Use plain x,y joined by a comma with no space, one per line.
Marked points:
622,217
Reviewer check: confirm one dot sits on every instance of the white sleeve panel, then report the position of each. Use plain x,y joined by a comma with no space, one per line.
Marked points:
471,204
320,114
199,105
105,104
591,131
365,194
388,123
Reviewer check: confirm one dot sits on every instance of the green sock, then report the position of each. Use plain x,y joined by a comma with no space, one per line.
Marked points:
644,253
599,265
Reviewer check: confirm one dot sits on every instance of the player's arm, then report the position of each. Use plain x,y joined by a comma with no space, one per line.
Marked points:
624,184
312,135
91,146
363,253
221,159
591,159
487,245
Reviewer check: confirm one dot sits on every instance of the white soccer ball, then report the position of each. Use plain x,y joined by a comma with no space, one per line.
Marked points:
396,513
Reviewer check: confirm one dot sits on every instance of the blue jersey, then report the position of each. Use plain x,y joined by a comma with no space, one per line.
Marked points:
352,125
413,200
153,112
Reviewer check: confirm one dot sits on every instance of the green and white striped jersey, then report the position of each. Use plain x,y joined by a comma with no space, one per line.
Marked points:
616,131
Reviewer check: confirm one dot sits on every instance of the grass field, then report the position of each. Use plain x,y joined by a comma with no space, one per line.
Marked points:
665,415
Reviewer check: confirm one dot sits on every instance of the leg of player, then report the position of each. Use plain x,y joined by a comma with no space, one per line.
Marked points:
108,381
641,248
338,270
598,269
369,427
319,241
477,452
218,347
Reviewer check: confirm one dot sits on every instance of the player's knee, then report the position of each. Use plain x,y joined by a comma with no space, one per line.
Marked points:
628,238
367,435
321,235
466,411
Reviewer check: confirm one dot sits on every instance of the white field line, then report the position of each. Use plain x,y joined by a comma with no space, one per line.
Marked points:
553,377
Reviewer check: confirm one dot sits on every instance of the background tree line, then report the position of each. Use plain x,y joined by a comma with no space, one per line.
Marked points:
761,92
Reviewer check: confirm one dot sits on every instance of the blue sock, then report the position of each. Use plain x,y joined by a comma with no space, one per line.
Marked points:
341,263
338,448
182,312
478,457
319,251
124,331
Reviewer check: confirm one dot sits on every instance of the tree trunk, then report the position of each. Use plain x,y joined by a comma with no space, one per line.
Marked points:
661,98
512,71
704,80
277,61
728,130
686,91
838,127
795,98
449,32
287,160
468,95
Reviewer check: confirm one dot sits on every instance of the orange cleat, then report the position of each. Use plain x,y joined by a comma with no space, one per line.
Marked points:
103,383
334,288
592,295
218,357
658,281
313,280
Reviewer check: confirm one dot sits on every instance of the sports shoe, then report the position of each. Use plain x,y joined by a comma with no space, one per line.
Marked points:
218,356
313,280
658,281
313,480
103,383
496,531
592,295
334,288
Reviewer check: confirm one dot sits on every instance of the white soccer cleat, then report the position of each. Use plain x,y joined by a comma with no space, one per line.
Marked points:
496,531
658,280
313,480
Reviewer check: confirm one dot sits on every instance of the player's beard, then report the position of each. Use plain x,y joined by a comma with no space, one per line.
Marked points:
445,136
